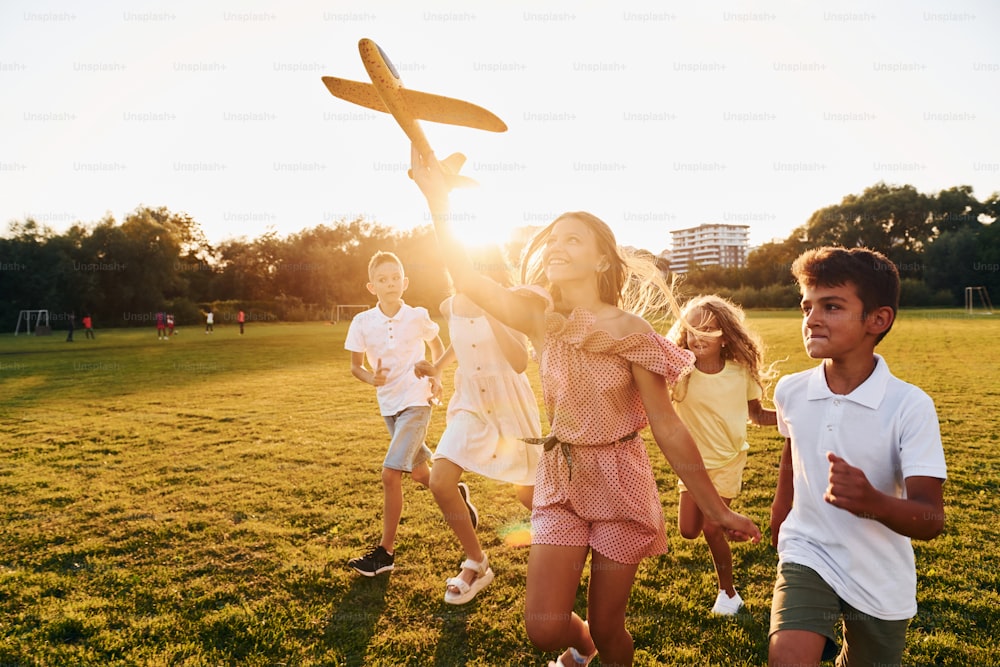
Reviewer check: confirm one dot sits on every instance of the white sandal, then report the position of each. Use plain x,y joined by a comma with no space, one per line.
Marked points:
577,657
467,591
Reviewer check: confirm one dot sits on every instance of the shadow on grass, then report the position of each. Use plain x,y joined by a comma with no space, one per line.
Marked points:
354,621
453,644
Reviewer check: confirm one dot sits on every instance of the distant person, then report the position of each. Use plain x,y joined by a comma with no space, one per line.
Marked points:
170,325
861,473
241,318
492,410
161,325
88,327
392,338
70,321
715,401
209,322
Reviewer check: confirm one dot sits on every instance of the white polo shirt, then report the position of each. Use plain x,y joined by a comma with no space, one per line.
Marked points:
399,342
889,429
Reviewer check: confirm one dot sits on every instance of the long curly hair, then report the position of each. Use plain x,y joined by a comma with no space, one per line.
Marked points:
743,346
632,282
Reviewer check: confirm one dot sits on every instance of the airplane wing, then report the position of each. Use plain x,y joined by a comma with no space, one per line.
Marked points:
424,106
440,109
363,94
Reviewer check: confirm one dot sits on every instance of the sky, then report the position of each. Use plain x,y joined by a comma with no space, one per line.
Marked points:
653,116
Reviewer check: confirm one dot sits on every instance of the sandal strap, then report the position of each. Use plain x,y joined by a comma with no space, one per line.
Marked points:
459,583
479,568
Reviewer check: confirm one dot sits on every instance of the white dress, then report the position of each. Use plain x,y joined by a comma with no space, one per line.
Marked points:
491,409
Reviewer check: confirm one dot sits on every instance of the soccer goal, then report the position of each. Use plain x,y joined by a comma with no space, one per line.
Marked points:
347,311
984,300
39,318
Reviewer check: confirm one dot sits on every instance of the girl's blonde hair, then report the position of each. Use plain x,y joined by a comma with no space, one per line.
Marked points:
743,346
632,282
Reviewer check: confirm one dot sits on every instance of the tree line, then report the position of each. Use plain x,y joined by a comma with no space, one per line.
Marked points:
156,259
941,243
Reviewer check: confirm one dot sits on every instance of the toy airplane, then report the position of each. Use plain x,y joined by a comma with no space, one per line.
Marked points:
386,93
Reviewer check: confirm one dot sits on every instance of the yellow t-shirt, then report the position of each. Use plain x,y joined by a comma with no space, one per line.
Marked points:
714,409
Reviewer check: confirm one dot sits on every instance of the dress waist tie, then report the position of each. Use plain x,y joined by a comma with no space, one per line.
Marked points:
550,441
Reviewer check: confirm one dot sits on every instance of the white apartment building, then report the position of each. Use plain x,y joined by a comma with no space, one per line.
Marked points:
710,245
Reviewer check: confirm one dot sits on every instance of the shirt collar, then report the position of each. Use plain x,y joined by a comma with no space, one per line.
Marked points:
869,393
399,312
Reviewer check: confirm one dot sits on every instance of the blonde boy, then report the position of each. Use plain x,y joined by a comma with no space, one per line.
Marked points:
393,336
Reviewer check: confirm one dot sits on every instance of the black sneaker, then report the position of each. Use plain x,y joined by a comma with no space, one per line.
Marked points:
376,561
463,489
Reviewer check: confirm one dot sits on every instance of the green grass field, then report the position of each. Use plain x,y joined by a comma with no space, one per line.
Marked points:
194,502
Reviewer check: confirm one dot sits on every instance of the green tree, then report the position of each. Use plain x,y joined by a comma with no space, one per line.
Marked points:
950,261
895,220
771,263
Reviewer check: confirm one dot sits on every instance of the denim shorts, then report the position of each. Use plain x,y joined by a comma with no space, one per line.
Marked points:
408,429
804,601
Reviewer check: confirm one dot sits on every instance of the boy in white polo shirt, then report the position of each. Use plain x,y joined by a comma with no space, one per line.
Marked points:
861,473
393,336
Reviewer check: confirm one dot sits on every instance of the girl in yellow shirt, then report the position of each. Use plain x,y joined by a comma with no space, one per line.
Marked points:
715,401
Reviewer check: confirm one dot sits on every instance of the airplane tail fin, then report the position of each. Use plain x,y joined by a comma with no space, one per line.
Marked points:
451,166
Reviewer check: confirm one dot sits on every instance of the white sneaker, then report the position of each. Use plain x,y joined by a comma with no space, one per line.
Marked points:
725,605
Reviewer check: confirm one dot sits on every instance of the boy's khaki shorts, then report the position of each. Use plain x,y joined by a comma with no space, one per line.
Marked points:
727,480
804,601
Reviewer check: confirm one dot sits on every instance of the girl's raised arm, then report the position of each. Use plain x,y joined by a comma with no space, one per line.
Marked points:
524,313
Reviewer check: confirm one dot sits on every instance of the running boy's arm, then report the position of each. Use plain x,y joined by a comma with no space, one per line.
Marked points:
920,515
436,347
376,378
427,369
783,493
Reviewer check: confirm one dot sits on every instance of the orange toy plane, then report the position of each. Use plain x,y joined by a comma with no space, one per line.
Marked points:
386,93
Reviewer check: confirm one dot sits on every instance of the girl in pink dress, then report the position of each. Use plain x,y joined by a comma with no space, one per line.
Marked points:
605,375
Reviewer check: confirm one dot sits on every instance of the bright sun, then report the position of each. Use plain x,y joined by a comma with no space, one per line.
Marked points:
476,221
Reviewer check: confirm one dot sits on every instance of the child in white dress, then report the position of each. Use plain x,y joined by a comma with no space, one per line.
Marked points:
492,409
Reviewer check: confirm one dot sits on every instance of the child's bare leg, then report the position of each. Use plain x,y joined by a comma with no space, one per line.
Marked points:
421,474
795,647
392,506
690,520
610,585
722,554
525,494
444,485
553,578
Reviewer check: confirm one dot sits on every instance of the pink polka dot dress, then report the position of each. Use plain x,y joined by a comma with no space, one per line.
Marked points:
596,488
